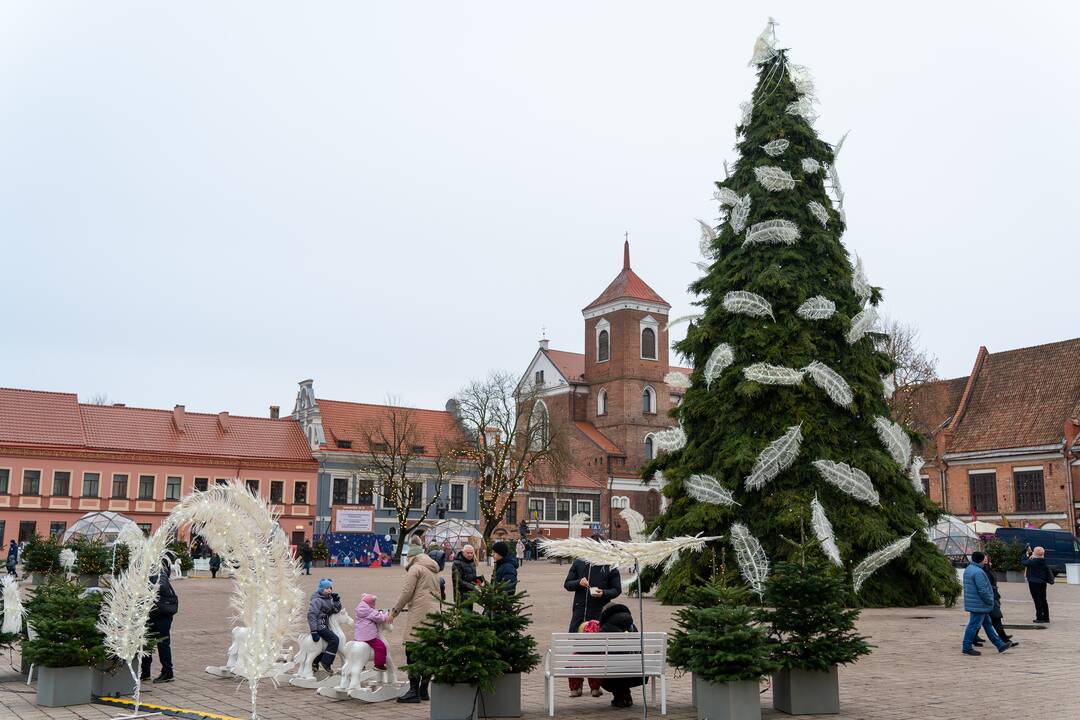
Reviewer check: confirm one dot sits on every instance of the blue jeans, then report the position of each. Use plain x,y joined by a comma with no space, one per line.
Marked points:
977,620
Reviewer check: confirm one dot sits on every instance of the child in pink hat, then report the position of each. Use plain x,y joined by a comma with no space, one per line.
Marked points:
368,620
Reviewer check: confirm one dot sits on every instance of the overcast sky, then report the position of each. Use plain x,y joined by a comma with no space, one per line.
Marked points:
205,203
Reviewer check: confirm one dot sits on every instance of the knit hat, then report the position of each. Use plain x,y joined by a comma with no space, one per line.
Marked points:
415,550
325,583
368,599
501,549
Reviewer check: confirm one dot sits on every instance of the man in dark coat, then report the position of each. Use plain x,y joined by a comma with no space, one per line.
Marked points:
12,557
594,586
505,566
306,554
161,617
463,573
1039,575
616,618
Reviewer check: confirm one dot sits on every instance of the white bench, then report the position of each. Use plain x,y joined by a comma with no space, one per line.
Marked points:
606,655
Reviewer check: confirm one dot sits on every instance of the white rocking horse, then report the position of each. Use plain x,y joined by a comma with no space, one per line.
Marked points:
309,650
228,670
366,685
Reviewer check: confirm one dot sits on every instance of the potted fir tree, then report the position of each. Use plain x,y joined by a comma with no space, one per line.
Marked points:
722,642
183,556
41,559
67,644
121,555
504,614
320,553
91,562
459,651
814,633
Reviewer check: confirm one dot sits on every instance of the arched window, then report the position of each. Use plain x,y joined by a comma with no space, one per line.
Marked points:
649,452
602,343
540,424
601,403
648,400
648,343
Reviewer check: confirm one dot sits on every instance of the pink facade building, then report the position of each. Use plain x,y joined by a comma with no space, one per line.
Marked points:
60,459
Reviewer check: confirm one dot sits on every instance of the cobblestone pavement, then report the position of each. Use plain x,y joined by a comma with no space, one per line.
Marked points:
916,670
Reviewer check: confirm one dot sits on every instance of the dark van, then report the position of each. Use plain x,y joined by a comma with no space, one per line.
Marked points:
1060,546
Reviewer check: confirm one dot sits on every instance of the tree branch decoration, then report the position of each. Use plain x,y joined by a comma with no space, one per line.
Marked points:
774,459
859,282
861,324
677,379
818,307
726,196
708,489
810,166
617,553
671,439
831,382
818,210
767,374
708,237
774,179
916,474
742,302
720,358
751,557
739,213
804,107
851,480
895,440
773,232
823,531
776,147
879,559
747,113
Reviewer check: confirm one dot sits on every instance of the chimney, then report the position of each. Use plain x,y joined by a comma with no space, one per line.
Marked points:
223,421
275,412
543,343
178,418
119,405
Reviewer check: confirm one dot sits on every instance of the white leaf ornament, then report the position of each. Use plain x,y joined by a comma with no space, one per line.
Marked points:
773,232
683,319
742,302
895,440
831,382
804,108
810,166
916,474
726,196
879,559
720,358
677,379
767,374
862,323
776,147
708,237
818,307
739,214
774,459
823,531
851,480
708,489
751,557
818,211
671,439
859,283
774,179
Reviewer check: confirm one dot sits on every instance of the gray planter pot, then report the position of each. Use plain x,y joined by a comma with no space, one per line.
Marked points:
727,701
114,683
58,687
693,689
38,578
453,702
1000,576
807,692
1014,576
505,701
90,580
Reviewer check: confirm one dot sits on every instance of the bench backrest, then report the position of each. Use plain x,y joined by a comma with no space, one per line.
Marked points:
607,654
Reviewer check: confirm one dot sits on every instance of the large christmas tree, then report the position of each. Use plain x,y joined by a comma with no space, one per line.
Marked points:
784,432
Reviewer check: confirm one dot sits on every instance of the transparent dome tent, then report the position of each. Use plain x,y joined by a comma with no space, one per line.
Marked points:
953,537
104,526
458,532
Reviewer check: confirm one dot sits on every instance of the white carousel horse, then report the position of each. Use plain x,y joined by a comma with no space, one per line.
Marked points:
228,670
367,685
309,650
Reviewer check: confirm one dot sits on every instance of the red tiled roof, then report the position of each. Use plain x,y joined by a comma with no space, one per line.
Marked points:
571,365
627,285
33,417
925,408
598,438
354,422
1020,398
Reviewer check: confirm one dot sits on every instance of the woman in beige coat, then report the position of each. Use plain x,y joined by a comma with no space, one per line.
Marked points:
421,595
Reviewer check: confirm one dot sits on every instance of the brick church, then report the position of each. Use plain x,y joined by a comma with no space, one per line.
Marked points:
612,399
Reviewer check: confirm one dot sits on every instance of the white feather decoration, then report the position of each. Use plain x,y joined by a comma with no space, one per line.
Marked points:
803,107
767,374
823,530
859,282
635,523
677,379
726,196
614,553
774,179
747,112
834,181
818,307
742,302
801,78
831,382
683,319
894,439
810,166
577,524
739,214
818,211
708,237
67,559
851,480
879,559
703,267
670,440
774,148
862,323
719,360
13,606
708,489
839,144
765,45
916,474
751,557
773,232
888,385
774,459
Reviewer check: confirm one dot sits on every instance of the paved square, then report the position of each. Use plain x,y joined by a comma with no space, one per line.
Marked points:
915,671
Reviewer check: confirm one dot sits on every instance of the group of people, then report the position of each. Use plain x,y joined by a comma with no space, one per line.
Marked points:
982,600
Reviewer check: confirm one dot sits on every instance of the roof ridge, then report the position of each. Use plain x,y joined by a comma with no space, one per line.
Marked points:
1035,347
187,412
42,392
961,406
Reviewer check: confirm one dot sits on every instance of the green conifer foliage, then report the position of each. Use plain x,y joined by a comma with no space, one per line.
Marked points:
729,420
65,618
504,614
457,646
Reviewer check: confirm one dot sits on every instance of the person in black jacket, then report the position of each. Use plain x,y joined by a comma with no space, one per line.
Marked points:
161,617
1039,575
616,618
593,587
463,574
506,566
306,554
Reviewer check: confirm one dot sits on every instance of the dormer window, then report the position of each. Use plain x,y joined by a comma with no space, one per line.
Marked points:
344,444
539,377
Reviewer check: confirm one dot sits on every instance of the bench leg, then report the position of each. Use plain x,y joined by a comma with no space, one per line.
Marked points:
551,696
663,694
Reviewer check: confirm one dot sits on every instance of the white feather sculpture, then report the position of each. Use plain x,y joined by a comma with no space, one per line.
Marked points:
888,385
859,282
719,359
773,232
875,561
810,166
708,237
13,606
804,108
831,382
671,439
765,45
739,214
635,523
895,440
726,196
774,148
683,319
577,524
823,531
67,559
916,474
708,489
851,480
838,190
618,552
818,211
751,557
774,459
774,179
677,379
767,374
742,302
818,307
861,324
747,113
839,144
801,78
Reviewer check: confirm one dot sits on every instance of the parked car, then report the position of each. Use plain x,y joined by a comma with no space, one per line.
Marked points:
1061,547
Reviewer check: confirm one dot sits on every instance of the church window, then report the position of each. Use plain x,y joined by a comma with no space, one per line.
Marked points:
602,346
648,400
648,343
649,451
601,403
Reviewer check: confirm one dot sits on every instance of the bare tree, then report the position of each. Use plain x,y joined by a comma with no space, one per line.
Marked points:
99,399
511,438
914,366
398,464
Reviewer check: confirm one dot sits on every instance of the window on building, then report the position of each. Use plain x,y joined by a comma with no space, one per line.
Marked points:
675,400
57,528
538,377
5,479
201,484
146,487
620,502
536,509
344,444
1030,492
602,346
648,344
145,527
365,491
119,486
300,493
253,487
277,492
172,487
3,528
31,482
648,400
925,480
511,513
562,510
91,484
416,495
341,491
585,506
650,450
983,491
380,447
27,530
61,483
221,481
457,496
539,425
417,449
601,403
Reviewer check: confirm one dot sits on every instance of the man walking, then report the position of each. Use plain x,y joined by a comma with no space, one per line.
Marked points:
161,616
979,603
306,554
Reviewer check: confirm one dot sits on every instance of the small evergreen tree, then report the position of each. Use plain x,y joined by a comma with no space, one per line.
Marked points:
42,555
504,615
809,622
65,620
183,555
121,557
457,646
91,558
